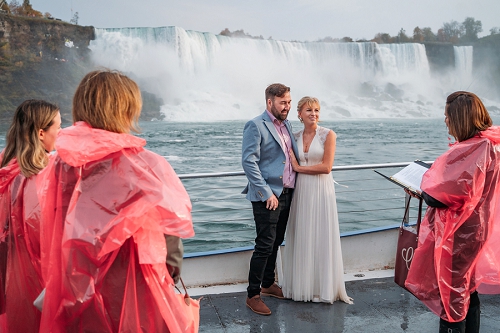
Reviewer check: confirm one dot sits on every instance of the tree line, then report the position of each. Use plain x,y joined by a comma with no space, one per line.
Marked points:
25,9
451,32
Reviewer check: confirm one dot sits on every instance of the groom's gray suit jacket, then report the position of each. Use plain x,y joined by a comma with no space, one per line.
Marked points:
263,159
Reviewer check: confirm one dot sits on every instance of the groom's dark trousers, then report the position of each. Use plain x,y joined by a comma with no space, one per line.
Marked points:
270,226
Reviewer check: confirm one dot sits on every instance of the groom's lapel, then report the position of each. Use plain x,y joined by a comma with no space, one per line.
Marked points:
292,138
271,128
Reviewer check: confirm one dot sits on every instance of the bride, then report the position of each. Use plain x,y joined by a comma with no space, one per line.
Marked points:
312,264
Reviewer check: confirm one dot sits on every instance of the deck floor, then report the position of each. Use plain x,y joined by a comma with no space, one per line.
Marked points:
379,306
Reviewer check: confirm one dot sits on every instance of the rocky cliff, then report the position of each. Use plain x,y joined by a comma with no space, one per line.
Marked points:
41,59
441,56
46,59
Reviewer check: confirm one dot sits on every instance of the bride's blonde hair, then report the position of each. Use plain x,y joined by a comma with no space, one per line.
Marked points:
309,101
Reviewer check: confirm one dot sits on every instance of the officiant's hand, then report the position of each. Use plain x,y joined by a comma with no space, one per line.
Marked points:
417,195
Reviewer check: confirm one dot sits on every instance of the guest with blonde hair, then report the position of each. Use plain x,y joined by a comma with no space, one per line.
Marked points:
109,204
31,136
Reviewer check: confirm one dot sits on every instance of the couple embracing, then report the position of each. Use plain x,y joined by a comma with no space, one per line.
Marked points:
289,182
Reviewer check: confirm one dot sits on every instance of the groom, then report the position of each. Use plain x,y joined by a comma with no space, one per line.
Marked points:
267,140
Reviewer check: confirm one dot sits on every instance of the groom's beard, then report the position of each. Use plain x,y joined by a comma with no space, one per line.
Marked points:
279,114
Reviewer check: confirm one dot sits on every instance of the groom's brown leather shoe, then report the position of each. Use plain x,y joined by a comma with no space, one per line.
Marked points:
257,305
274,291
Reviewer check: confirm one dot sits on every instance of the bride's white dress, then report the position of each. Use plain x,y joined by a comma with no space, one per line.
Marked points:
312,260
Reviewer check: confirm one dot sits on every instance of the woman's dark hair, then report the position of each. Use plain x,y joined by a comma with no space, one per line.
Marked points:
466,114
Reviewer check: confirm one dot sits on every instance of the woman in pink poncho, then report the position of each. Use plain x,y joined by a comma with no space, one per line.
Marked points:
458,253
108,204
30,137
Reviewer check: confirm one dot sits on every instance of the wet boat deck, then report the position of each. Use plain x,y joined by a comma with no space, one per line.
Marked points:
379,306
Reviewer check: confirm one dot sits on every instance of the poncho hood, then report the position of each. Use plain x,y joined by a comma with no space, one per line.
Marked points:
492,134
8,173
80,144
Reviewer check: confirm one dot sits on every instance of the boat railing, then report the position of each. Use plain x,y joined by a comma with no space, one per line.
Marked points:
223,218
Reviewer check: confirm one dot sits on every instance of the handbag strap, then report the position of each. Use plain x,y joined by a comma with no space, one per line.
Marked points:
419,216
184,286
187,299
407,206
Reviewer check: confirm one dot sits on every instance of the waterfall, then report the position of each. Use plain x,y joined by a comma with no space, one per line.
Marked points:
206,77
408,58
463,65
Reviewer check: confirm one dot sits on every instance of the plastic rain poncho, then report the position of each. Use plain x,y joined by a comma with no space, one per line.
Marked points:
458,250
19,251
107,204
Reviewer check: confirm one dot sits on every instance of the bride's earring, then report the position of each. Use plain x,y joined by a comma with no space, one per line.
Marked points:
300,119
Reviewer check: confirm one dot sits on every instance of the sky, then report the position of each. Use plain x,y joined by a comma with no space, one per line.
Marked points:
300,20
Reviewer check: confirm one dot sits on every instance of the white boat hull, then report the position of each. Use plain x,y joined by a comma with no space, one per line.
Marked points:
363,251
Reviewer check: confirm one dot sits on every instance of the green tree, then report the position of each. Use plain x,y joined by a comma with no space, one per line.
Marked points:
402,37
452,31
74,19
494,31
418,35
429,36
441,35
23,10
27,9
382,38
346,39
328,39
225,32
470,29
239,34
14,7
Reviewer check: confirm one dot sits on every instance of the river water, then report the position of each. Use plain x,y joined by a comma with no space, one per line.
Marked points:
223,217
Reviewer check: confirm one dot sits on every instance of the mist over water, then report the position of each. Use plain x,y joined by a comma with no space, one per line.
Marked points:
206,77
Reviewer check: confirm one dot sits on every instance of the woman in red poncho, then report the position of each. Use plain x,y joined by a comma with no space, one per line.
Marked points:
457,256
30,137
108,204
